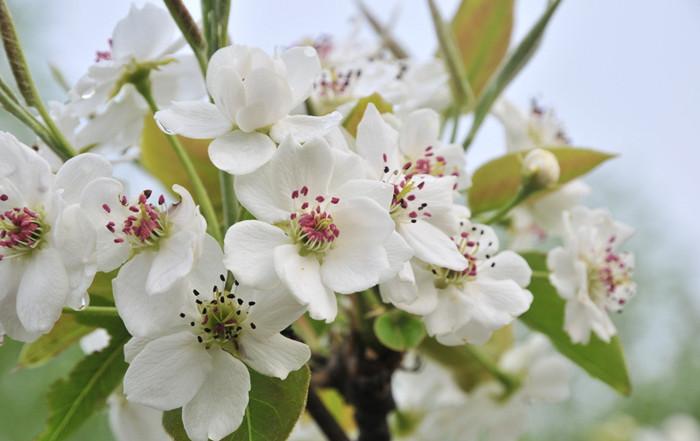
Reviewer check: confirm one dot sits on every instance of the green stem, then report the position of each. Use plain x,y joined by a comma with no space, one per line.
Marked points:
94,311
143,85
189,30
228,198
25,83
387,40
457,113
525,191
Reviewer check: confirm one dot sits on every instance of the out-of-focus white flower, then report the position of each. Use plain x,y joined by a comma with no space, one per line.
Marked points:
111,111
47,242
166,241
542,167
321,228
254,95
590,272
540,217
539,129
466,306
190,344
674,428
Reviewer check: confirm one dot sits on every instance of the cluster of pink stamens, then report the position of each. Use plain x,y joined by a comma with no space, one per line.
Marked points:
469,243
539,112
222,319
21,230
432,164
312,225
104,55
145,225
613,279
335,83
405,198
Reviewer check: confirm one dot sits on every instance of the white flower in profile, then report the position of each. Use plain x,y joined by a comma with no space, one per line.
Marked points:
467,306
590,272
540,128
190,346
320,229
165,240
253,95
47,243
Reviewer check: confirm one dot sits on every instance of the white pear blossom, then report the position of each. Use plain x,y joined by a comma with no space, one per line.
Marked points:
467,306
190,346
165,240
590,272
111,111
253,95
47,243
320,229
539,128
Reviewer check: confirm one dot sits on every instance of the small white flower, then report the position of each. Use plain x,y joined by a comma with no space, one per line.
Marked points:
467,306
590,272
47,243
320,230
190,344
253,94
540,128
166,240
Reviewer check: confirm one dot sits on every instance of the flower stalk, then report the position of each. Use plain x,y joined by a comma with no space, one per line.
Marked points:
190,31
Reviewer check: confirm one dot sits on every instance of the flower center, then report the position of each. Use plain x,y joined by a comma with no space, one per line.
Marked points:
469,243
146,224
104,55
610,280
431,164
221,320
312,226
405,203
21,231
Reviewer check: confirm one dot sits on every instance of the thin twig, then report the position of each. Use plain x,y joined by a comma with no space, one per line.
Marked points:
323,418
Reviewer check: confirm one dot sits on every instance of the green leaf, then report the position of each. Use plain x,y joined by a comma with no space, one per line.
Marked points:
63,335
101,289
73,400
605,361
273,410
159,158
496,183
398,330
274,407
356,114
510,68
482,30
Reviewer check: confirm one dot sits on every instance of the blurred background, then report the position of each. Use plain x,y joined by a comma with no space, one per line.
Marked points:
623,77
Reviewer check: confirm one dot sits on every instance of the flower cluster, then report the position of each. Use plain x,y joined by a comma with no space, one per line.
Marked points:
342,200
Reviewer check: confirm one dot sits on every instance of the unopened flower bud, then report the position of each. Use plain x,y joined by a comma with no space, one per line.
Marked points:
542,167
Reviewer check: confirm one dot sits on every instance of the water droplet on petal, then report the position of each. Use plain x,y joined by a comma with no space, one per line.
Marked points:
88,93
84,302
165,129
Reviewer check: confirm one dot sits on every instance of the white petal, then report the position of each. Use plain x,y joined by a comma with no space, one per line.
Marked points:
496,303
268,99
549,379
472,332
193,119
303,66
275,355
507,266
134,346
567,273
347,270
422,298
25,177
208,268
78,171
267,193
375,139
362,222
303,128
144,314
380,192
398,253
9,322
431,245
131,421
42,292
226,88
248,248
172,261
302,275
419,130
582,317
450,312
239,153
274,309
145,34
168,372
219,406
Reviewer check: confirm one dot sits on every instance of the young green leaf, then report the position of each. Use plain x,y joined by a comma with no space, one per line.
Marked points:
512,66
496,183
64,334
172,423
357,112
605,361
274,406
398,330
482,30
74,399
